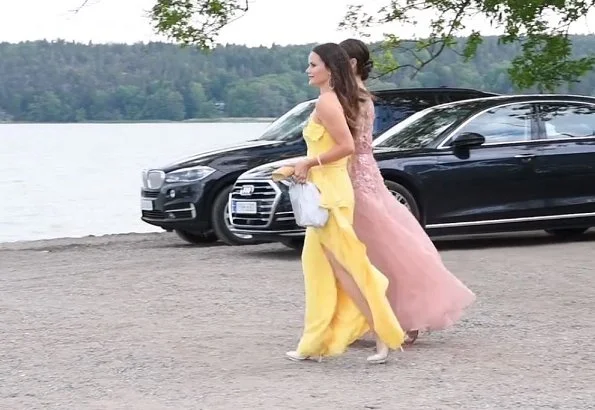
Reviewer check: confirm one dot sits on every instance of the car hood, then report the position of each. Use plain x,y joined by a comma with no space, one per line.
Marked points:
265,171
221,156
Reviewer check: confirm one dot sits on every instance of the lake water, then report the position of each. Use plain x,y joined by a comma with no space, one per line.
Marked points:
72,180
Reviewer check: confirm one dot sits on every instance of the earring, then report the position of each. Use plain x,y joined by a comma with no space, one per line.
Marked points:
331,83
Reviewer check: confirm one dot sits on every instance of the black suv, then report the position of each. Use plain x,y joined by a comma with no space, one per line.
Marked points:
191,197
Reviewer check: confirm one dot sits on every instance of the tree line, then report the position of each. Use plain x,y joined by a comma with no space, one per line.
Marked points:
60,81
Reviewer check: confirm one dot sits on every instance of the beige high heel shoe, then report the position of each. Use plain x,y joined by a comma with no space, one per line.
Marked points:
381,355
296,357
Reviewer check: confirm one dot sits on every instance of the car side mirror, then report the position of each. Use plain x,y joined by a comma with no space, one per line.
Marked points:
468,140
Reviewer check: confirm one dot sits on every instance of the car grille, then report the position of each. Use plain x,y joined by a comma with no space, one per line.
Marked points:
284,217
264,193
150,194
285,221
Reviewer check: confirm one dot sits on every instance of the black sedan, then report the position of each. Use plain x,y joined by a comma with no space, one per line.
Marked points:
496,164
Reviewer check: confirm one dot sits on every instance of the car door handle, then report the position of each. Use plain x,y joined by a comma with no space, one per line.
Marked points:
525,156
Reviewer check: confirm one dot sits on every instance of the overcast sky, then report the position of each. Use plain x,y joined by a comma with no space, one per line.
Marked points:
125,21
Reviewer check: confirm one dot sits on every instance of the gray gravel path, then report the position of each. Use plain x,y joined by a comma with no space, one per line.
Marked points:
146,322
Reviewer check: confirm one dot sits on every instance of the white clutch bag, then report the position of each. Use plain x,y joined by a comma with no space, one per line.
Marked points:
305,201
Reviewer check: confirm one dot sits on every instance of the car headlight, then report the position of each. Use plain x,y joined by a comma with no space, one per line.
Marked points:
144,178
189,174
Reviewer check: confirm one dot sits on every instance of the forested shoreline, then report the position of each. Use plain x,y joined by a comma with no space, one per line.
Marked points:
62,81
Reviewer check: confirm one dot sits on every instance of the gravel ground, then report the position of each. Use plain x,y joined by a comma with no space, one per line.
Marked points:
147,322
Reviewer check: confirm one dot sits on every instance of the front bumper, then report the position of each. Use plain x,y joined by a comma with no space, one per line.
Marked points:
175,206
261,208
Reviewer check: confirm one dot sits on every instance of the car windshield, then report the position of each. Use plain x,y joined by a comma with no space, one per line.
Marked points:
423,127
289,126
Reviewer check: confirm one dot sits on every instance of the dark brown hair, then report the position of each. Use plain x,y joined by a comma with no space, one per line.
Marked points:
358,50
343,80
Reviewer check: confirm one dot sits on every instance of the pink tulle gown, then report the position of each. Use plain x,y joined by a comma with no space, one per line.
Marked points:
422,292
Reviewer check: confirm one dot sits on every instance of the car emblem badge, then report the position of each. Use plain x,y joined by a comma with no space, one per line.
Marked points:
247,190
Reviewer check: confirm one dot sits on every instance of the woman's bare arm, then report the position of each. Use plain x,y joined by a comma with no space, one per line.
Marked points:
330,114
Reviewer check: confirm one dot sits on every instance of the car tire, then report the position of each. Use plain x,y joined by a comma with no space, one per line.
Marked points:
404,196
197,238
294,243
220,223
567,233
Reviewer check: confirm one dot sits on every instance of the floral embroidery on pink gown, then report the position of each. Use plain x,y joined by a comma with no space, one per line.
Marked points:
422,292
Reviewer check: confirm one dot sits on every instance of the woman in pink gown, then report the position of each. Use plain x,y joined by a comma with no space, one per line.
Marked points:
422,292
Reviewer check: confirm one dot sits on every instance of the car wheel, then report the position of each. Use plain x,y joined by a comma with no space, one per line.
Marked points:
567,232
294,243
222,224
196,238
404,196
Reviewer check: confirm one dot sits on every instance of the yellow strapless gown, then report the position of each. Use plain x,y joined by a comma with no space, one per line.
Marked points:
332,321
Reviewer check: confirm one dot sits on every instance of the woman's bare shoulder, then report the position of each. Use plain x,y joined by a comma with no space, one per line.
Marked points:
328,102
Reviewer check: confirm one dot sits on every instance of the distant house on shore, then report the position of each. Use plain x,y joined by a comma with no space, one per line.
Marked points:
219,106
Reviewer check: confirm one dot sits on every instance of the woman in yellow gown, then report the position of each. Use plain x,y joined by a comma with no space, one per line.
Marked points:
345,294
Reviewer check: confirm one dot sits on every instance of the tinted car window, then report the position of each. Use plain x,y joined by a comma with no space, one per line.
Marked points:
388,113
458,96
567,120
391,111
426,128
509,123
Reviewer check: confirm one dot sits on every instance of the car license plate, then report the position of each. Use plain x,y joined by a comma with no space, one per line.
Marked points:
146,204
243,207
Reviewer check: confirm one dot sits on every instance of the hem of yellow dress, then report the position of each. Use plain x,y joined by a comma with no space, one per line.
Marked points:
333,349
345,227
